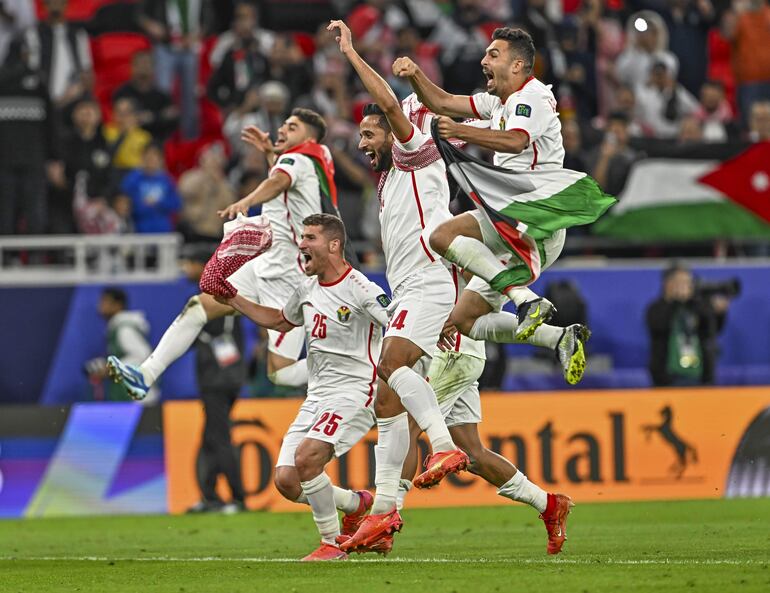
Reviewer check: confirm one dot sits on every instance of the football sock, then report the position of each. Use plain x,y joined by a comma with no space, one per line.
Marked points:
346,500
520,295
501,328
294,375
404,486
179,336
519,488
389,454
472,255
418,398
320,494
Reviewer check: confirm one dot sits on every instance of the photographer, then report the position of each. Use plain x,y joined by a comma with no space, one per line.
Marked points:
683,324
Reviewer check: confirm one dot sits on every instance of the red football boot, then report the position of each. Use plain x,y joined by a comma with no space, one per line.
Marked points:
382,546
352,521
555,519
439,465
373,528
325,552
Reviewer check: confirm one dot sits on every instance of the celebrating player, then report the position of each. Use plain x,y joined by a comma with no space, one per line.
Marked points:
341,314
412,186
528,220
301,173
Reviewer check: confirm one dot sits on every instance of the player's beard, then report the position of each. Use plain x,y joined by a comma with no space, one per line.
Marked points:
384,159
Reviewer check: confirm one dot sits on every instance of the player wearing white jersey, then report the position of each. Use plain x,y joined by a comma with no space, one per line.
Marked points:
290,193
341,314
412,187
525,134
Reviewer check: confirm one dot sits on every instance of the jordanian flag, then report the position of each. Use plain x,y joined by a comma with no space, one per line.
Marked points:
525,207
691,196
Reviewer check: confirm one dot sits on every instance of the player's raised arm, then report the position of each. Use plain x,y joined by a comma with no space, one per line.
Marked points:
273,186
512,141
433,97
380,90
267,317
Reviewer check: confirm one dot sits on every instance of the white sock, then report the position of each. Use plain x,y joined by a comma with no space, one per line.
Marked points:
302,499
179,336
418,398
501,328
520,295
320,494
472,255
404,486
519,488
389,454
294,375
346,500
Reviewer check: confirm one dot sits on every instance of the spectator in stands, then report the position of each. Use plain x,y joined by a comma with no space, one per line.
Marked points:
125,138
540,22
205,190
646,44
176,29
715,113
16,16
153,195
424,54
662,102
688,25
86,150
61,52
573,65
289,65
29,147
245,32
759,122
613,159
690,131
751,62
683,325
156,112
220,370
242,61
573,146
127,333
463,39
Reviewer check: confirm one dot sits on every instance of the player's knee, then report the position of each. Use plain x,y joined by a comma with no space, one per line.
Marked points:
288,485
463,323
308,463
440,239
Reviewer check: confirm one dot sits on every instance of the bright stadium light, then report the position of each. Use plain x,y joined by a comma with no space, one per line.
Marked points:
640,25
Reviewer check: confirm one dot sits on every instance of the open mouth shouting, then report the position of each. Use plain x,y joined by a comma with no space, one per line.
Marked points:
490,76
374,159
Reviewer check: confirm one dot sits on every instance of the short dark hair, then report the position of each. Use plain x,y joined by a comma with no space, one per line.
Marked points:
116,294
620,116
374,109
715,83
332,226
673,268
520,44
312,119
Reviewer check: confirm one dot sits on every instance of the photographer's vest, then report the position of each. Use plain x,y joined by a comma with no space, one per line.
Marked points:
685,352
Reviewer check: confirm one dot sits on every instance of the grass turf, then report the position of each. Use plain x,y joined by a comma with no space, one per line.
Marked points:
699,546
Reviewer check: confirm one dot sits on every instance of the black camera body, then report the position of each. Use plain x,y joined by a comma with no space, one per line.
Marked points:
729,288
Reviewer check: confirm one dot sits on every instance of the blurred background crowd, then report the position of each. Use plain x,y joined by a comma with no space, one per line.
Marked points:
125,116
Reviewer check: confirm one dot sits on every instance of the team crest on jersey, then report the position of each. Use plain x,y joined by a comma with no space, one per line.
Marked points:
343,314
502,124
523,110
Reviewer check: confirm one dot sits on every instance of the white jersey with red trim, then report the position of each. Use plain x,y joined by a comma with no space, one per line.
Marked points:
343,324
286,213
408,200
531,109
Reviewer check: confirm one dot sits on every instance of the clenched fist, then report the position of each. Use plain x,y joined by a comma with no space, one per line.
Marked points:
405,67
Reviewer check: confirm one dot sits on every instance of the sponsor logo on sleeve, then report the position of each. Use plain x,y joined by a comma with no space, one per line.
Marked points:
523,110
286,161
383,300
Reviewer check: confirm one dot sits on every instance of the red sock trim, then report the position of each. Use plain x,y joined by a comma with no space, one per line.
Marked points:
550,505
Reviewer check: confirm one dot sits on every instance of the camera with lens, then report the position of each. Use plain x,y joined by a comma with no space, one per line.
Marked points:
729,288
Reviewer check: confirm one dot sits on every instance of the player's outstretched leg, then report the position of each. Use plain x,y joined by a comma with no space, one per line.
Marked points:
177,339
513,484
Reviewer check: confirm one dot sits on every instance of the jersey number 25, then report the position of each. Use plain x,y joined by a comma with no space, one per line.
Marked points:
319,326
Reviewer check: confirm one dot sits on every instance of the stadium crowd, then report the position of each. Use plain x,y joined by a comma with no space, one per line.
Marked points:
120,117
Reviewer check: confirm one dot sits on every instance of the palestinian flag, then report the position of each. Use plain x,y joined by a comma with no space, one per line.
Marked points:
324,169
695,194
525,207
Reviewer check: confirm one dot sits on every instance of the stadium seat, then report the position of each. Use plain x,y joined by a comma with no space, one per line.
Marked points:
77,10
112,54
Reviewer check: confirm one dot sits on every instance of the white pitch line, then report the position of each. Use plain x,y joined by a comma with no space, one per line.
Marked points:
257,559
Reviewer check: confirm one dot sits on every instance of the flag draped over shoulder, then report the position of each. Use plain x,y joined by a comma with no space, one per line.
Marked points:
695,194
526,207
324,169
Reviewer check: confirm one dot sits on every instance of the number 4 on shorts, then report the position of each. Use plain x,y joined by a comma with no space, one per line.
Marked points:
398,320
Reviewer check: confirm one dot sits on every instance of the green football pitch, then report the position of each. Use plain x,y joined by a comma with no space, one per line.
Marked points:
694,546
